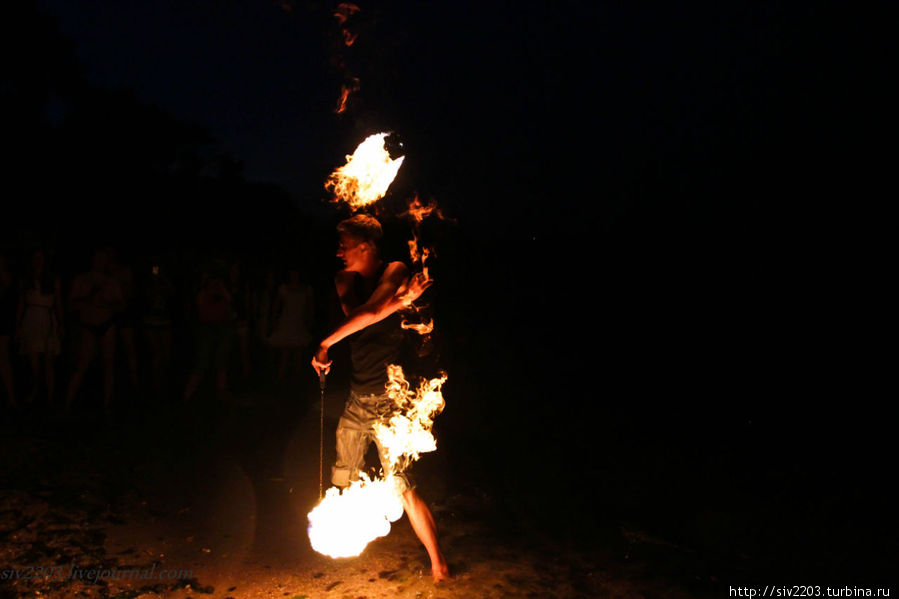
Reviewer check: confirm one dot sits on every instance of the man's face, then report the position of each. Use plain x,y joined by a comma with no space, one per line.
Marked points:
352,251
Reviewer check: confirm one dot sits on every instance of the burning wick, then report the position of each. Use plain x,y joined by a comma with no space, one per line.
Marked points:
344,523
367,174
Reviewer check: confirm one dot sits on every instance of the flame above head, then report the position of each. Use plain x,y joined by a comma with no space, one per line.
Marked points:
344,523
422,329
367,174
407,433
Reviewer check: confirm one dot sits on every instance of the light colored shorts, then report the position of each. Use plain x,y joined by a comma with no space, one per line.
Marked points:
354,435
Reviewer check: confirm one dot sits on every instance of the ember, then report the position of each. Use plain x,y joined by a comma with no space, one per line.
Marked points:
345,90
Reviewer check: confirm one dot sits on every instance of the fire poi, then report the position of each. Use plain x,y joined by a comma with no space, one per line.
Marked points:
367,174
383,407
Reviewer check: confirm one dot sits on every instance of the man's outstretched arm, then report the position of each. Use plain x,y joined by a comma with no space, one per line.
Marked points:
396,291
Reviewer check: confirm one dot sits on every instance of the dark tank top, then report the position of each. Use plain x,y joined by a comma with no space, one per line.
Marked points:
375,346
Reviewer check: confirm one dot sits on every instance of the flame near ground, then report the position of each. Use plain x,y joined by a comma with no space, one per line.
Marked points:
346,521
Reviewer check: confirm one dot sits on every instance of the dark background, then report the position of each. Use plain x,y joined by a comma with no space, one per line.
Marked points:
652,302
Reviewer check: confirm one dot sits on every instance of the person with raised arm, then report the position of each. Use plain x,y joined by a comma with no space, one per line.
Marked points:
371,291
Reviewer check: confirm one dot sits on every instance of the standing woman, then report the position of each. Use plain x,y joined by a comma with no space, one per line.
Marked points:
39,322
8,305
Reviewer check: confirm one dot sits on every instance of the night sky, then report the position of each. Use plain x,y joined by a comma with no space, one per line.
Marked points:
545,117
249,73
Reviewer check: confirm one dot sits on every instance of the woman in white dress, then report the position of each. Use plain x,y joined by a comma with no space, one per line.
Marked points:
39,323
293,310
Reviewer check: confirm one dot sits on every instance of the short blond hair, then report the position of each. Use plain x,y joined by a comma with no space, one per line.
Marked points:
363,227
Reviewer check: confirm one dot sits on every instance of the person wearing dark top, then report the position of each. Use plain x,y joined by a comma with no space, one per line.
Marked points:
215,334
370,292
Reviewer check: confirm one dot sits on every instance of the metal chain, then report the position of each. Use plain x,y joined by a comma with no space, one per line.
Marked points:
321,434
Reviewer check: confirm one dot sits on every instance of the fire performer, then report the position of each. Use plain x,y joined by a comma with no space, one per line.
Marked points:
370,292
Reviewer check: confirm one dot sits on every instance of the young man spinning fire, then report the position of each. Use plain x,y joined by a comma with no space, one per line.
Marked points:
371,292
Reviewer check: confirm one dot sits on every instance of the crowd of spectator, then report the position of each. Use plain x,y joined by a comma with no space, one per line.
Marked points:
155,328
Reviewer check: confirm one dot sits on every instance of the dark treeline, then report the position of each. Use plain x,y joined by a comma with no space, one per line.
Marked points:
87,162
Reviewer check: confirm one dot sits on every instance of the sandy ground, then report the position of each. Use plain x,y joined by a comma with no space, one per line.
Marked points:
240,552
212,500
217,507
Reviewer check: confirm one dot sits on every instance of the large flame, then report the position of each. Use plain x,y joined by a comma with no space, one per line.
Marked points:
344,523
407,433
367,174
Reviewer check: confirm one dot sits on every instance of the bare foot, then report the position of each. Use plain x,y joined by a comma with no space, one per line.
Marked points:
440,572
